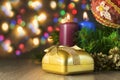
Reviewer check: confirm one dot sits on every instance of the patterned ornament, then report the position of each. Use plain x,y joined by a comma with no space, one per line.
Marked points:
107,12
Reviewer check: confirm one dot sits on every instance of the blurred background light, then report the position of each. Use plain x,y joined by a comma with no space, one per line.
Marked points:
53,5
36,41
36,4
42,17
5,26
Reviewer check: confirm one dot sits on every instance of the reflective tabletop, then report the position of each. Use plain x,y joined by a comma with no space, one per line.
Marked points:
27,70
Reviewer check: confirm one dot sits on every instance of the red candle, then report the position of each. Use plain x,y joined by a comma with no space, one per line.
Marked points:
67,32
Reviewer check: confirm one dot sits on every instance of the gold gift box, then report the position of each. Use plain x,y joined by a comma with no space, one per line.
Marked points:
67,60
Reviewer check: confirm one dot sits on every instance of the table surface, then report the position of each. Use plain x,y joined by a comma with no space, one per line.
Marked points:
27,70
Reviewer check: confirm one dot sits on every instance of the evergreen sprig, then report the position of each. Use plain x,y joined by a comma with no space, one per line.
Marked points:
101,40
55,37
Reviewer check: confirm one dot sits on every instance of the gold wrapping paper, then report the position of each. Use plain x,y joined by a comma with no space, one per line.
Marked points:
67,60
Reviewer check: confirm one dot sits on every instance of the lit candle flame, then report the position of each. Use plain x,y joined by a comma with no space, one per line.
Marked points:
85,16
67,18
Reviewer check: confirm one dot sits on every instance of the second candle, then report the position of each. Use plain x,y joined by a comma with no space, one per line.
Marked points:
67,33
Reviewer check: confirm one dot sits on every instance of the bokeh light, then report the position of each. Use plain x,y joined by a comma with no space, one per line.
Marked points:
10,49
62,12
50,39
50,29
23,23
84,1
38,31
71,5
61,4
7,46
21,46
36,41
75,0
55,20
18,52
57,29
12,24
46,35
34,26
36,4
5,27
22,11
1,38
74,11
53,5
85,6
43,40
42,17
19,21
7,9
75,19
20,31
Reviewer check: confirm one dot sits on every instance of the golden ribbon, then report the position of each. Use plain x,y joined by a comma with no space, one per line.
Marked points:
70,50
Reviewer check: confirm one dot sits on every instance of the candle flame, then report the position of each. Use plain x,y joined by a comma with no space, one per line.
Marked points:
67,18
85,16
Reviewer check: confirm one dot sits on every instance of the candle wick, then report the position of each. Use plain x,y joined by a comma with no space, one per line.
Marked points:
85,16
86,19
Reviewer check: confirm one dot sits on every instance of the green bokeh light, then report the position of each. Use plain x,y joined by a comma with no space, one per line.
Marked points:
62,12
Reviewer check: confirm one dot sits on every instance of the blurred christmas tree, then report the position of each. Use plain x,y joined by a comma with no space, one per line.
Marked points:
27,24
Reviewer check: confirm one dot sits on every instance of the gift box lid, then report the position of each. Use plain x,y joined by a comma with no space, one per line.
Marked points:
67,56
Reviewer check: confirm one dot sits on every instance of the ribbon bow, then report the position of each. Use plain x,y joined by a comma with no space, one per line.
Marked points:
70,50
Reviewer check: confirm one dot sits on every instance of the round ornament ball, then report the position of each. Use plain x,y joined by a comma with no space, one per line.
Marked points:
107,12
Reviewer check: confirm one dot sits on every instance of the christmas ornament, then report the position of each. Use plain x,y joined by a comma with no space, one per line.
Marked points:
107,12
67,60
